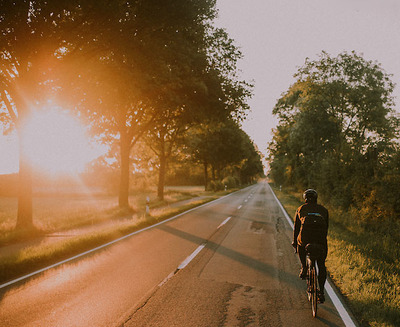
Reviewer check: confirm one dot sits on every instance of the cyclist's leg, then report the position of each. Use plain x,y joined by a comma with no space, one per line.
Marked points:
321,273
302,256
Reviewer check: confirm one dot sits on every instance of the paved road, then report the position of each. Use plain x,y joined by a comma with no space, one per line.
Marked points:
243,273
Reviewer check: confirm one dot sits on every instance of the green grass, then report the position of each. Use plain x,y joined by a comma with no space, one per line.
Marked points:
364,265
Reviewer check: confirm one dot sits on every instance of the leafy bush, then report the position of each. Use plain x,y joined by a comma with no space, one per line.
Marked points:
216,186
230,182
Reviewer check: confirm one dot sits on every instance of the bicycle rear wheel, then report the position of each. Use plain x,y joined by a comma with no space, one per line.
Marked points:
309,284
314,288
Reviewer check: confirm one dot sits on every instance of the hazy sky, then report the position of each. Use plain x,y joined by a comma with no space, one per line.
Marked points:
276,36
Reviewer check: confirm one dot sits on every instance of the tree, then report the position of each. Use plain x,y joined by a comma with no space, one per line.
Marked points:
130,62
356,93
330,119
221,146
151,59
212,91
163,140
31,43
251,166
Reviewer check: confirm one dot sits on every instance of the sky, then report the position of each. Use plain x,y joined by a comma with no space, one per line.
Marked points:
276,36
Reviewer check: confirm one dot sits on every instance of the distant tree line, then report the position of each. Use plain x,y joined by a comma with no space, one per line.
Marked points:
338,133
143,73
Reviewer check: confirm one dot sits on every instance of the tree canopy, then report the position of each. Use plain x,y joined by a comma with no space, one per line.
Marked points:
226,150
337,126
132,69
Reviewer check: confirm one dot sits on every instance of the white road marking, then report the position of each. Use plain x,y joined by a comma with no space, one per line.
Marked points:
239,207
224,222
332,294
166,279
191,257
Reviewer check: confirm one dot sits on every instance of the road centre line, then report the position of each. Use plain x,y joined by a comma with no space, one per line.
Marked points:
109,243
239,207
191,257
329,289
224,222
166,279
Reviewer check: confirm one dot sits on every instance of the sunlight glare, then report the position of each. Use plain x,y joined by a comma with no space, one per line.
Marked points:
9,154
55,142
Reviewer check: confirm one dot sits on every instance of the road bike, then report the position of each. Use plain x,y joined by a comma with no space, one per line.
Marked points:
313,252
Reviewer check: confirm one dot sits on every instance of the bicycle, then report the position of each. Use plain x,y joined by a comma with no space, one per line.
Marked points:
313,252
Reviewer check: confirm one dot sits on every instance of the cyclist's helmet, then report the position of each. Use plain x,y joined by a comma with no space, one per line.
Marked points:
310,195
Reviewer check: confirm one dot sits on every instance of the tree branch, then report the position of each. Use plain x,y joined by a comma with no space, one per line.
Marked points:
9,107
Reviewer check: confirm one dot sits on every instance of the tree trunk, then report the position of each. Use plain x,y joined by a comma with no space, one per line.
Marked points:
205,176
24,215
162,170
123,199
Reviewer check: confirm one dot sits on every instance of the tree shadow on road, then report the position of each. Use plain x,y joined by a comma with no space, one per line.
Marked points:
250,262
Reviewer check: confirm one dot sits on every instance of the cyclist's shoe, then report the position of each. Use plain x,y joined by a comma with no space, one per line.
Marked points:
321,297
303,273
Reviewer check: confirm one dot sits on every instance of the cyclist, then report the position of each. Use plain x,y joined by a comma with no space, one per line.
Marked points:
311,223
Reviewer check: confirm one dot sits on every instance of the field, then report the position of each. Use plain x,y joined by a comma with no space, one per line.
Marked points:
56,212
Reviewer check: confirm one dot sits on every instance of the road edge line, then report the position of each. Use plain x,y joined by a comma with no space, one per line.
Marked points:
347,320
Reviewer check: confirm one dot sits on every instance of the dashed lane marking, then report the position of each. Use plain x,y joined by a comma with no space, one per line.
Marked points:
191,257
224,222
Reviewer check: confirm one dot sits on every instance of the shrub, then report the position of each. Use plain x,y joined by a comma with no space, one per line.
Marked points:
216,186
230,182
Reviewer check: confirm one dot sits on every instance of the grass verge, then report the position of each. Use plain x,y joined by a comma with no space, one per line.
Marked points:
364,264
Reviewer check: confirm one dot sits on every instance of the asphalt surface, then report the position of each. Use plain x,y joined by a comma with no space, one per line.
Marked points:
228,263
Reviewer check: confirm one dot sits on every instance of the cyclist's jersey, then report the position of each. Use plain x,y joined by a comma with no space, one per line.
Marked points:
311,224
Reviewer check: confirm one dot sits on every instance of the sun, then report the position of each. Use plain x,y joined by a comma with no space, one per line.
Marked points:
56,142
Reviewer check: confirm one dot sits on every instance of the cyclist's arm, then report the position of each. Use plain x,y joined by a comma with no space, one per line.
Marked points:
296,230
